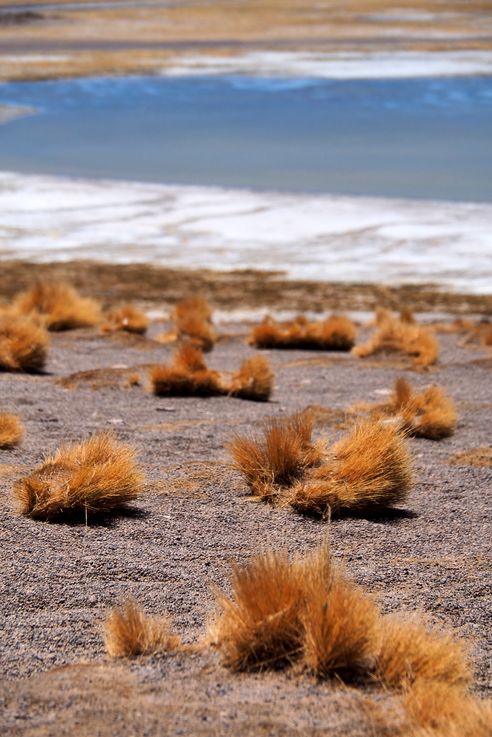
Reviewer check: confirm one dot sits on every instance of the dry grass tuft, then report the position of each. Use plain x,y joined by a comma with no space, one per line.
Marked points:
480,457
278,457
23,345
128,631
11,430
187,376
435,709
429,414
396,335
367,470
193,318
59,306
303,612
337,333
409,653
127,318
253,381
96,476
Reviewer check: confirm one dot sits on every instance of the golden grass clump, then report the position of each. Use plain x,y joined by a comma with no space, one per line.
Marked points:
193,318
59,306
337,333
127,318
96,476
23,344
368,469
278,457
254,380
435,709
302,612
11,430
428,414
394,334
128,632
188,376
410,653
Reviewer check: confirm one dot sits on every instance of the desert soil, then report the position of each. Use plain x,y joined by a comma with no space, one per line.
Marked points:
58,581
102,38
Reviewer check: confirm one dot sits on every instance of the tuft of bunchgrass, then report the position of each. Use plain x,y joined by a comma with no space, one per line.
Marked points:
128,632
97,476
253,381
278,456
301,612
430,413
59,306
189,376
336,333
193,318
127,318
369,469
11,430
411,652
392,334
23,344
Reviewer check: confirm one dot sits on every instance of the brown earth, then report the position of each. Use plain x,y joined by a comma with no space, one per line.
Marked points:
132,38
157,286
58,581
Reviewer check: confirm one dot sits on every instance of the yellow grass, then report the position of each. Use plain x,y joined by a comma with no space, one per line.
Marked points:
189,376
23,344
96,476
369,469
11,430
193,318
127,318
410,652
392,334
435,709
59,305
253,381
129,632
427,414
337,333
276,458
302,611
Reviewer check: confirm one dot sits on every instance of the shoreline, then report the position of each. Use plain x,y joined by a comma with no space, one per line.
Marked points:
157,287
312,238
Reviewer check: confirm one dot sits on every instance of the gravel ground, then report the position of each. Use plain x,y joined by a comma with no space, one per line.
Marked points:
58,580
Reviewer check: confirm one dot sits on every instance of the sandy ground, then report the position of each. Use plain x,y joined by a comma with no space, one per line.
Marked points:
121,39
58,581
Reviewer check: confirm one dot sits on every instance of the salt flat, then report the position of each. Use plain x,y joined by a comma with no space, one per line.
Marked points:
318,237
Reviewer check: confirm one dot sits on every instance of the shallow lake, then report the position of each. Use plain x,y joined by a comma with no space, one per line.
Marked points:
420,138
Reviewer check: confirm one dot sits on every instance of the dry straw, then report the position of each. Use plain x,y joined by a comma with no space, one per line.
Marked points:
128,631
188,375
337,333
11,430
401,335
94,477
23,344
430,413
303,611
366,470
59,306
127,318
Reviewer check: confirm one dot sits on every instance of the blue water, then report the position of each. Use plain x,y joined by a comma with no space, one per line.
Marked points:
423,138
